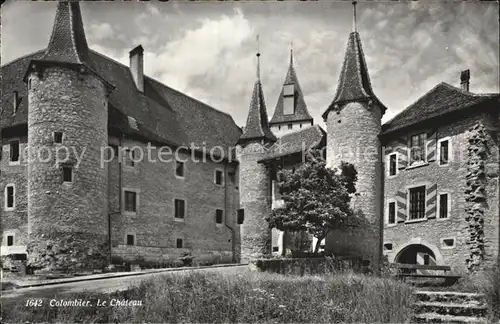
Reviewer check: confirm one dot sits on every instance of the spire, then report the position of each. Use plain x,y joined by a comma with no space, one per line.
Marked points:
291,97
67,43
354,16
354,82
257,125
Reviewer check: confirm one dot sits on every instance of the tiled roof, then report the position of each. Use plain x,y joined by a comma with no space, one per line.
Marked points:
67,43
354,82
440,100
296,142
257,126
300,110
162,114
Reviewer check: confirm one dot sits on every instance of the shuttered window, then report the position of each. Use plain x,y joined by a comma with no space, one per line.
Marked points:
417,148
417,203
443,152
392,213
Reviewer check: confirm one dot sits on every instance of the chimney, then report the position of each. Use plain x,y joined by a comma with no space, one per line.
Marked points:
465,80
137,66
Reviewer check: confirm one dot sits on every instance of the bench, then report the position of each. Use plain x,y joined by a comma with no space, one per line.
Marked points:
409,271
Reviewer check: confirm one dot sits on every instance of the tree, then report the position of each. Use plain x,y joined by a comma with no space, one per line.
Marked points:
316,198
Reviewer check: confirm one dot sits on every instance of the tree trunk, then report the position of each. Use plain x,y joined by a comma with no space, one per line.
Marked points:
284,243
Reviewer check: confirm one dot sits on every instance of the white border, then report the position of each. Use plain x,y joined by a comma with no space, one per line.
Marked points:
13,185
450,151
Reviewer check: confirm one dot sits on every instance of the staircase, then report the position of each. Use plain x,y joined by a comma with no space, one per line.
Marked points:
449,307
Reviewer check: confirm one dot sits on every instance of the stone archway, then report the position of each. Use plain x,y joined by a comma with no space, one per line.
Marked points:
407,252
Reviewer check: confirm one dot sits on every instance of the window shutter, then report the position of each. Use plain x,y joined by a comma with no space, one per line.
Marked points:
401,206
430,201
431,145
402,149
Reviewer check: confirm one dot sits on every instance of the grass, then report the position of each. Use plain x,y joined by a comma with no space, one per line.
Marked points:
248,297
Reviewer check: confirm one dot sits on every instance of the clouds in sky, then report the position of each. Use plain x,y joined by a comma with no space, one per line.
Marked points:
207,49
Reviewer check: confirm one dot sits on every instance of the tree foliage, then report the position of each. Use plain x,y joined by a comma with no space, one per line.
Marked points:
316,198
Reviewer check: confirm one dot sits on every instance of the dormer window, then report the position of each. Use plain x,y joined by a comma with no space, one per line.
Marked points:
288,99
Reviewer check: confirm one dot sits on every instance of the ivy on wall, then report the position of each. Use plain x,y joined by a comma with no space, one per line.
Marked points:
475,195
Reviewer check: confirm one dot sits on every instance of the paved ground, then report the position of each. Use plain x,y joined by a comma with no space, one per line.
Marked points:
99,286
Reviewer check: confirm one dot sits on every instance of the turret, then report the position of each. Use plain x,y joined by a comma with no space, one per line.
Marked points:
67,127
255,177
353,125
291,112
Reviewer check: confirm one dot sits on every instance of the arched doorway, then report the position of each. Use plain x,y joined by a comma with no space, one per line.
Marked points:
416,254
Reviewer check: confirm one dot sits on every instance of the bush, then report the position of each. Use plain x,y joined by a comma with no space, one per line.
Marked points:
208,297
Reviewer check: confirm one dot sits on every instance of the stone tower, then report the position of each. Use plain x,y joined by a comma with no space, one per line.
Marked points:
291,112
353,122
67,127
255,182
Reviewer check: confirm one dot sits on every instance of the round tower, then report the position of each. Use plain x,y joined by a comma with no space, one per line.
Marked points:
255,180
353,125
67,127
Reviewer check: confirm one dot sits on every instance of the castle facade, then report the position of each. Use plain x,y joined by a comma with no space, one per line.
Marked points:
79,192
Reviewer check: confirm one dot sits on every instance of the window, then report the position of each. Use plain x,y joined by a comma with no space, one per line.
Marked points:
232,177
179,169
14,151
288,90
417,148
276,248
219,178
180,208
10,240
219,214
29,84
417,203
240,216
179,243
129,158
67,173
391,219
58,137
388,246
130,239
10,197
393,164
427,259
443,205
448,243
444,152
130,201
290,126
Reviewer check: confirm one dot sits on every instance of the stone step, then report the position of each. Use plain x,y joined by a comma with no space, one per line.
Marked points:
449,296
472,308
440,318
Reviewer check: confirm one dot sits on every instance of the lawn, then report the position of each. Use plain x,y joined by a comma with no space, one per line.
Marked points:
248,297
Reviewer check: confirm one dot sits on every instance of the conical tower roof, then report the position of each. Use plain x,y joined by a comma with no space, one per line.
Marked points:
300,112
257,126
354,81
67,42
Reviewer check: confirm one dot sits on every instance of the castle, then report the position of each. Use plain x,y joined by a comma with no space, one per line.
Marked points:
78,191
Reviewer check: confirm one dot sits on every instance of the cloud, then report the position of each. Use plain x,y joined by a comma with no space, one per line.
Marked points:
101,31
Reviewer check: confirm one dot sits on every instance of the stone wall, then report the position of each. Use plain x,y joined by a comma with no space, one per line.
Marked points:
155,228
353,137
67,220
14,222
308,266
450,179
255,198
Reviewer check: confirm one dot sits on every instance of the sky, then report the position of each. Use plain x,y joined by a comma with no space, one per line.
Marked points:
207,49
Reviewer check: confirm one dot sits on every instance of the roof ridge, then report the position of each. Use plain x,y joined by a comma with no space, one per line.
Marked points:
162,84
469,93
23,57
